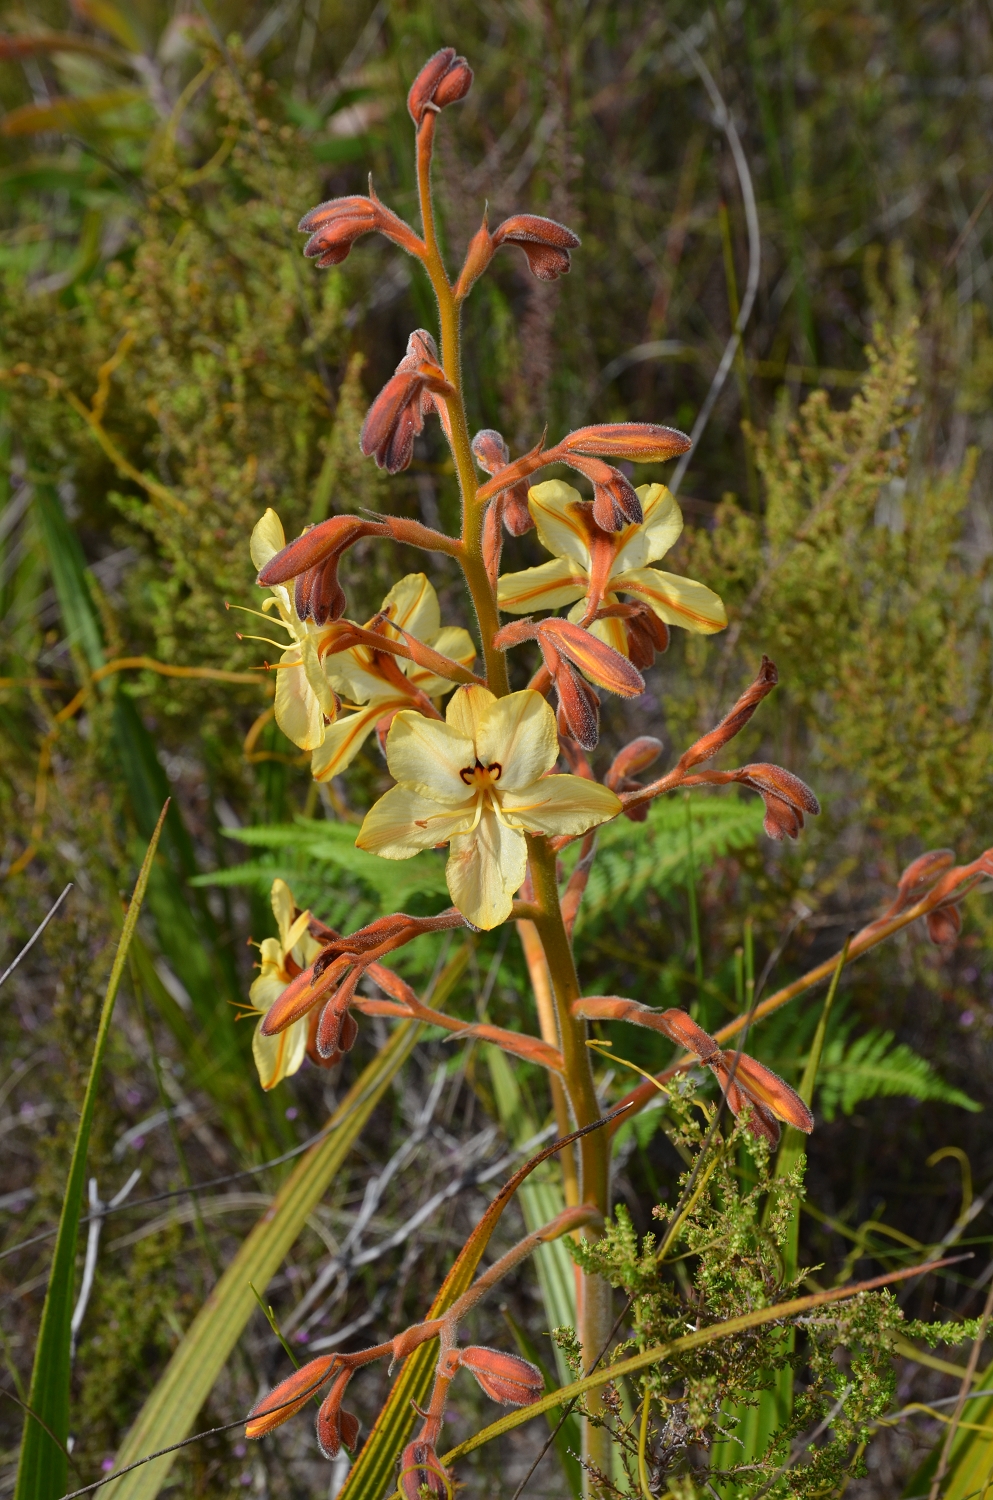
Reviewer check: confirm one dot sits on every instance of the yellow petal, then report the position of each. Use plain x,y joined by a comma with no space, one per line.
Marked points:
283,907
560,528
485,868
518,733
298,712
428,755
319,685
560,804
415,606
267,539
466,709
549,586
345,737
677,601
267,986
296,933
659,531
351,675
404,821
276,1057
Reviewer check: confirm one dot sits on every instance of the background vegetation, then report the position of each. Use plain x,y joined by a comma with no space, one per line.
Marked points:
171,366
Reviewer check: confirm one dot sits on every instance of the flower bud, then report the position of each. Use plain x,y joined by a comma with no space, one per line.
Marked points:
786,798
944,924
334,227
329,1418
489,449
397,415
477,257
506,1378
615,500
735,720
288,1397
579,706
443,80
316,545
684,1031
641,442
599,662
636,756
420,1466
923,872
545,242
492,454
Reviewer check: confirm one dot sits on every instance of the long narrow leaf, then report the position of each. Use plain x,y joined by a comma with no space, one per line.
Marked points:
171,1409
43,1465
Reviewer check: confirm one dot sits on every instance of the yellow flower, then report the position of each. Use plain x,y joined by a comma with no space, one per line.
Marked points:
382,684
594,566
479,781
304,697
276,1057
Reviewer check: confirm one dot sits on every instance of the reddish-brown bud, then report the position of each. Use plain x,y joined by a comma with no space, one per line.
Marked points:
492,455
397,415
922,874
579,706
288,1397
599,662
302,993
443,80
615,500
545,243
337,1028
944,924
334,227
786,797
504,1377
420,1466
636,756
315,546
331,1418
684,1031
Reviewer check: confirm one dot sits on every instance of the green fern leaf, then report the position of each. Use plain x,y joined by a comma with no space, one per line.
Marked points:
871,1066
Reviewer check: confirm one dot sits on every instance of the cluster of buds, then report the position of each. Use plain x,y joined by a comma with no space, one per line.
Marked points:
935,879
574,659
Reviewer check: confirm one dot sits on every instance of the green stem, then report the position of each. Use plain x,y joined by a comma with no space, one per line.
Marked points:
595,1313
449,314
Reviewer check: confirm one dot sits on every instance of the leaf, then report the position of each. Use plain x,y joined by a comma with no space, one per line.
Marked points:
66,114
633,858
871,1066
43,1464
970,1462
170,1411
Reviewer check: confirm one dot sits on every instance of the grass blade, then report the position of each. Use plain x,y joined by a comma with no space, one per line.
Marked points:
170,1411
43,1465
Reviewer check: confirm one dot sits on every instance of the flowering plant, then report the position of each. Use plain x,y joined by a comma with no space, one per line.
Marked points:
502,776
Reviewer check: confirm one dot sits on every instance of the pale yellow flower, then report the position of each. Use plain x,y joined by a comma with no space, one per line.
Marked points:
478,781
304,697
591,562
276,1057
381,684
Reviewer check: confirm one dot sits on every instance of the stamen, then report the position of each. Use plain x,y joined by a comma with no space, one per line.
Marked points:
279,645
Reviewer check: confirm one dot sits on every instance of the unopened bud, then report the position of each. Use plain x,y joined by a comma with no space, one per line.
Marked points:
545,242
489,449
329,1418
923,872
289,1396
506,1378
641,442
443,80
944,924
636,756
421,1467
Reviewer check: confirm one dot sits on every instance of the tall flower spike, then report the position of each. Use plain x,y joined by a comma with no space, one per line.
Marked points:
545,242
397,415
443,80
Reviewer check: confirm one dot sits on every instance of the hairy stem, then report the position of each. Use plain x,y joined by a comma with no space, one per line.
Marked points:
595,1293
449,313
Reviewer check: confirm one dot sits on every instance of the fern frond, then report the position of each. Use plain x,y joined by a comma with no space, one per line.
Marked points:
871,1066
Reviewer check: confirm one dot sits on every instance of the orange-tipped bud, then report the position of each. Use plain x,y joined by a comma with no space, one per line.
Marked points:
504,1377
302,993
599,662
316,546
337,1028
545,242
579,706
944,924
636,756
443,80
289,1396
685,1032
478,255
761,1122
766,1088
331,1419
735,720
640,442
420,1467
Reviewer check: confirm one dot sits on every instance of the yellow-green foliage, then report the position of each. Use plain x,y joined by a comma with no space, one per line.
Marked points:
858,581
